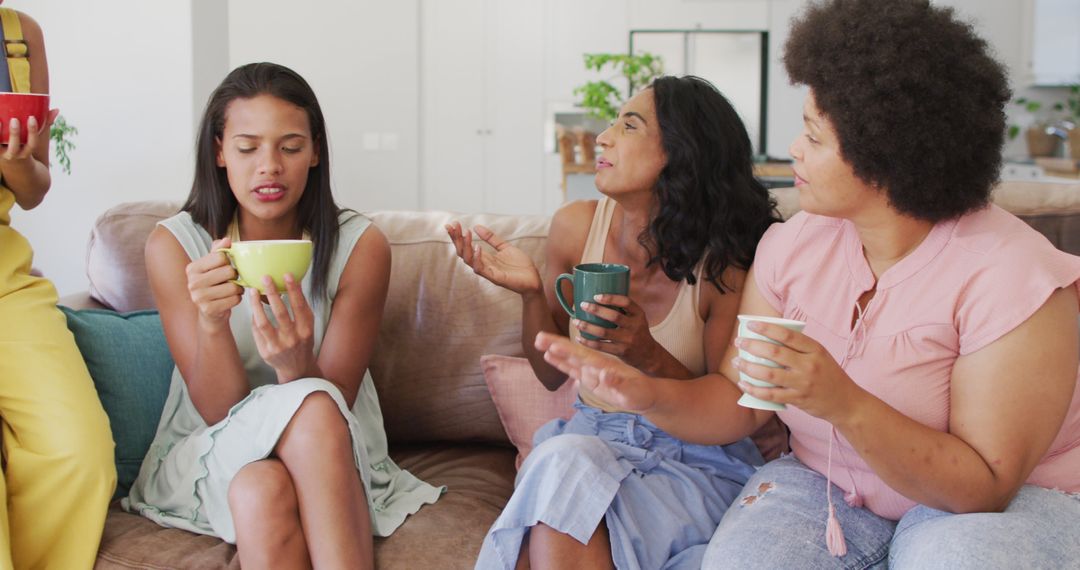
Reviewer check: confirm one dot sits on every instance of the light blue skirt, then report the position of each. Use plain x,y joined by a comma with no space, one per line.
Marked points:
660,498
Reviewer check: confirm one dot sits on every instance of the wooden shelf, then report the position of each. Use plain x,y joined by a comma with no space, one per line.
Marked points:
774,169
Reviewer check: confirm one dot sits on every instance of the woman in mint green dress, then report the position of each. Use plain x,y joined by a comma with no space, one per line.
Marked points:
272,437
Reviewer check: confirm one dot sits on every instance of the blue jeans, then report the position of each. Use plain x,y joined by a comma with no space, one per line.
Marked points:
778,521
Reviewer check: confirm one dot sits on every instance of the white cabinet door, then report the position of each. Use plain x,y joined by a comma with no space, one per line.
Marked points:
1056,46
515,107
452,102
481,94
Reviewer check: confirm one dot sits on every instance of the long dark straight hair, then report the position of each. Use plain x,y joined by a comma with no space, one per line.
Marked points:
212,204
708,202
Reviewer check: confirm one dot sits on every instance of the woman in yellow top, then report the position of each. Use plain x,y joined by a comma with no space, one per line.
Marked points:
58,450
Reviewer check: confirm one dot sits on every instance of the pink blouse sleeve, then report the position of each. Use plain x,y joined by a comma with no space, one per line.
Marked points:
772,254
1009,284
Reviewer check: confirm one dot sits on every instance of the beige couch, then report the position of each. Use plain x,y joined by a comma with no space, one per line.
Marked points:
440,420
440,318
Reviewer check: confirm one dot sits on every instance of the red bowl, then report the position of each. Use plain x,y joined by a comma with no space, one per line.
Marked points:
21,106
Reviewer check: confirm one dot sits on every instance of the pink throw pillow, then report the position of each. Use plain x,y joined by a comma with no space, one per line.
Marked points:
523,403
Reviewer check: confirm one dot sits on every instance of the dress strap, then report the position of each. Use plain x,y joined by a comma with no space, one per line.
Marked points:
16,51
598,231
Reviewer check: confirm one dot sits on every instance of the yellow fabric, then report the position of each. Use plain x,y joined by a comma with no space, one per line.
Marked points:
16,51
58,449
7,201
56,439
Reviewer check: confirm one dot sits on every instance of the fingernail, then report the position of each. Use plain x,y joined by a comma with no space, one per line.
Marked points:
289,278
755,326
598,298
31,122
14,123
736,361
584,304
738,341
267,279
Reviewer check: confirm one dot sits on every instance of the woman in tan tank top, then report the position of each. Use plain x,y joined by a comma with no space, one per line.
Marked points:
682,210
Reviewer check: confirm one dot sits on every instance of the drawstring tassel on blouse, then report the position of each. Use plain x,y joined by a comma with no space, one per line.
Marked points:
854,500
834,535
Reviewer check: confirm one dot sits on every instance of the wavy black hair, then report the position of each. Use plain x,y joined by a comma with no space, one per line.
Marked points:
915,96
212,204
709,205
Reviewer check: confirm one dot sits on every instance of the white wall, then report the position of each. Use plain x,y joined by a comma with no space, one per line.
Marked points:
482,105
209,53
133,76
121,72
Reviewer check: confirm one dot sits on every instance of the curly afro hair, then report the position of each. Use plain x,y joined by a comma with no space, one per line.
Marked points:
915,96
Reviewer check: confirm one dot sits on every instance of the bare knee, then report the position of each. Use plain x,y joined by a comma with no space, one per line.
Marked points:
549,548
316,426
262,490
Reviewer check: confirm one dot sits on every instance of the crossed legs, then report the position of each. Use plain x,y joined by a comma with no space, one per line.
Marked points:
305,507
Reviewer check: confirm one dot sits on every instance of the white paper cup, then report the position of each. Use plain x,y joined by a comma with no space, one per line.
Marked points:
744,332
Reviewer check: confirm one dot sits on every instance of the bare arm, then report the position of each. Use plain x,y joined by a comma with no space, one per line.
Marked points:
1008,402
541,311
25,169
358,307
513,269
195,300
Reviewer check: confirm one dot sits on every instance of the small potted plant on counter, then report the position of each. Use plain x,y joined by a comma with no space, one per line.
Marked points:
1050,133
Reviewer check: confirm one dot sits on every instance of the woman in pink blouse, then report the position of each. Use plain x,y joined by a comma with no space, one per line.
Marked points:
933,387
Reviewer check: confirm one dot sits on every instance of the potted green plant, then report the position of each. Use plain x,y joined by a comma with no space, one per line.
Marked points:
601,98
1063,120
61,134
1038,142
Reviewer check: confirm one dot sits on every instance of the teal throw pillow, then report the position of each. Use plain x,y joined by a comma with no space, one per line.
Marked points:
130,363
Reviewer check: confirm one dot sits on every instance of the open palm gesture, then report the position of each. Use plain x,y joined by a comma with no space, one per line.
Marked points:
613,380
508,267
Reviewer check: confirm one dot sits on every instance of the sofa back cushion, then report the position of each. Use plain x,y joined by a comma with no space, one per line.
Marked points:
439,319
114,257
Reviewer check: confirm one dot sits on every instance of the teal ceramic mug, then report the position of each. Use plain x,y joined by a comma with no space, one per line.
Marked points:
590,280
